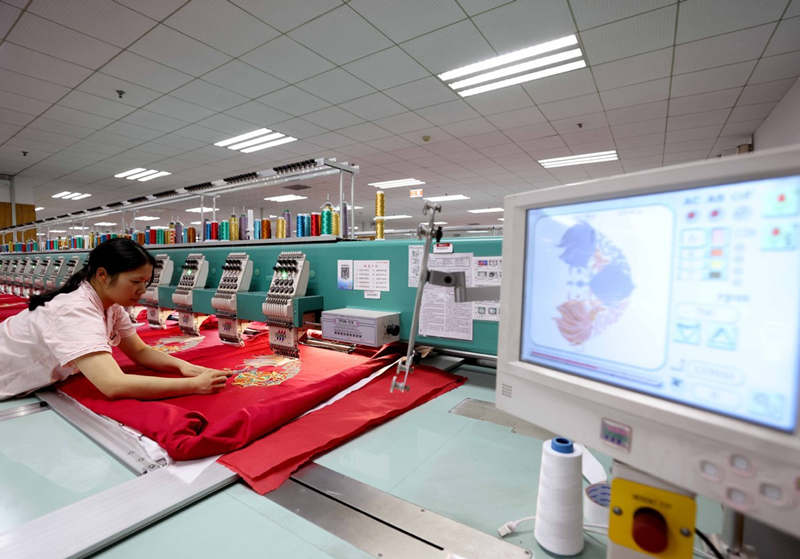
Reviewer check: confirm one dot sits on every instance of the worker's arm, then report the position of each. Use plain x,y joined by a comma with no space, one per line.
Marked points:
144,355
102,371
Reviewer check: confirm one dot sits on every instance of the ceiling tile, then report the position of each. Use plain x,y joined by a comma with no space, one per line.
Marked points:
517,117
703,102
8,15
486,140
287,15
633,153
524,23
590,13
10,116
201,133
500,100
641,128
777,67
299,128
751,112
786,38
156,9
698,120
587,122
324,35
469,127
637,113
8,130
208,95
174,49
22,103
221,25
401,20
50,38
20,84
387,68
646,32
287,60
105,86
37,65
330,140
89,103
641,93
141,71
364,132
244,79
332,118
225,123
421,93
724,49
712,79
258,113
336,86
530,132
763,92
293,101
454,46
374,106
741,127
154,121
113,139
445,113
133,130
636,69
793,10
555,88
569,107
107,21
177,108
704,18
405,122
641,141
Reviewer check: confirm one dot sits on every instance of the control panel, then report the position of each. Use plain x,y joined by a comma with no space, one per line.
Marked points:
194,274
24,271
40,274
8,274
72,267
289,280
361,326
162,274
237,272
52,276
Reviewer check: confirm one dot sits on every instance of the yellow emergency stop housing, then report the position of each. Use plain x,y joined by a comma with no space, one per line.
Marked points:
679,512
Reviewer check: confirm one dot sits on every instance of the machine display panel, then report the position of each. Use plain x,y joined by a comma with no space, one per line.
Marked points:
690,295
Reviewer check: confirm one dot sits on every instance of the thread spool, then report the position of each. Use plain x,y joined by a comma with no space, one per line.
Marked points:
315,224
266,229
559,503
345,229
287,217
380,202
214,230
280,228
327,221
337,224
299,228
191,235
233,228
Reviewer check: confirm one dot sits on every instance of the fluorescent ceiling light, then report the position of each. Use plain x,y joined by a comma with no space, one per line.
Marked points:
162,227
501,219
517,68
61,194
141,174
524,78
435,223
81,196
390,217
447,198
38,208
273,216
72,196
242,137
57,231
285,198
195,223
124,174
349,207
199,210
105,223
581,159
155,176
78,227
396,183
485,210
146,218
286,140
478,231
510,57
259,140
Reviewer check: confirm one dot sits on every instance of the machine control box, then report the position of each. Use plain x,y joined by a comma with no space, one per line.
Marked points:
237,271
52,275
361,326
162,274
40,274
72,267
289,280
194,274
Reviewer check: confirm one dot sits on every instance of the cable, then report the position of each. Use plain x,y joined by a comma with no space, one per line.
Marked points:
709,545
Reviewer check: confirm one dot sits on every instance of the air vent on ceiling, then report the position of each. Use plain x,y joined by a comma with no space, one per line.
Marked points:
80,212
116,204
137,199
94,209
195,187
297,187
298,166
164,194
240,178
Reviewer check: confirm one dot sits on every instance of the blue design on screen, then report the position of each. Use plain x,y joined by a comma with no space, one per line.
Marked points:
612,284
578,243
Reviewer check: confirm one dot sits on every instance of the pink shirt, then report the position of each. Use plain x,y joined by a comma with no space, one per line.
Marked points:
37,348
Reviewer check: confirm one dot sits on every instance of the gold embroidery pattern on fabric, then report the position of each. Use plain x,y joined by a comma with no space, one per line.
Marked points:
265,370
173,344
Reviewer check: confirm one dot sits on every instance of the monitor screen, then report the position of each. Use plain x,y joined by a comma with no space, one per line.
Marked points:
689,295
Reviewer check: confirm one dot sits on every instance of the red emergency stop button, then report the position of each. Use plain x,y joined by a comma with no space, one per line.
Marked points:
650,530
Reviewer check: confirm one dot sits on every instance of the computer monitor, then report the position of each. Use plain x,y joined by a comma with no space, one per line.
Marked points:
655,316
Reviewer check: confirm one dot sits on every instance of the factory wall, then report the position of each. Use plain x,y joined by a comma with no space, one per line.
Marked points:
782,127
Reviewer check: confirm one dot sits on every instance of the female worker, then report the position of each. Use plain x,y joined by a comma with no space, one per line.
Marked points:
73,329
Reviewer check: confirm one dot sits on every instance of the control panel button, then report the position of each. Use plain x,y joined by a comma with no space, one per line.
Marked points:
741,465
650,530
737,497
710,470
771,492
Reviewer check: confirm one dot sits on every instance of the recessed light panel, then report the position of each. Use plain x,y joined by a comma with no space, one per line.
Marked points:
396,183
256,140
285,198
485,210
582,159
146,218
447,198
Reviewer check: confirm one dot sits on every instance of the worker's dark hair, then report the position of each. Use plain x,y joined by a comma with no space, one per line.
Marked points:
115,255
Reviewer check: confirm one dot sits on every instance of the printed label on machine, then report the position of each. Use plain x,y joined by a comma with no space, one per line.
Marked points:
487,271
371,275
440,315
344,274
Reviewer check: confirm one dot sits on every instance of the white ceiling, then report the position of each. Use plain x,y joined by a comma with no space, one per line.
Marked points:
666,82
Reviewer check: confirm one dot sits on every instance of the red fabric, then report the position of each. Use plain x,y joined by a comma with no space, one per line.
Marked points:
9,309
195,426
269,461
171,340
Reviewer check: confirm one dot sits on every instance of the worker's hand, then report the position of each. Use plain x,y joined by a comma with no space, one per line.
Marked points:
210,381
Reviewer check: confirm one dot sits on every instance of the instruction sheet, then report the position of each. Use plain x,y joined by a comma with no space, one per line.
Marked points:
414,263
440,315
371,275
486,271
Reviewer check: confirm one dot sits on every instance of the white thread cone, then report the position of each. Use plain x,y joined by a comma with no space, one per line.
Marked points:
559,504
